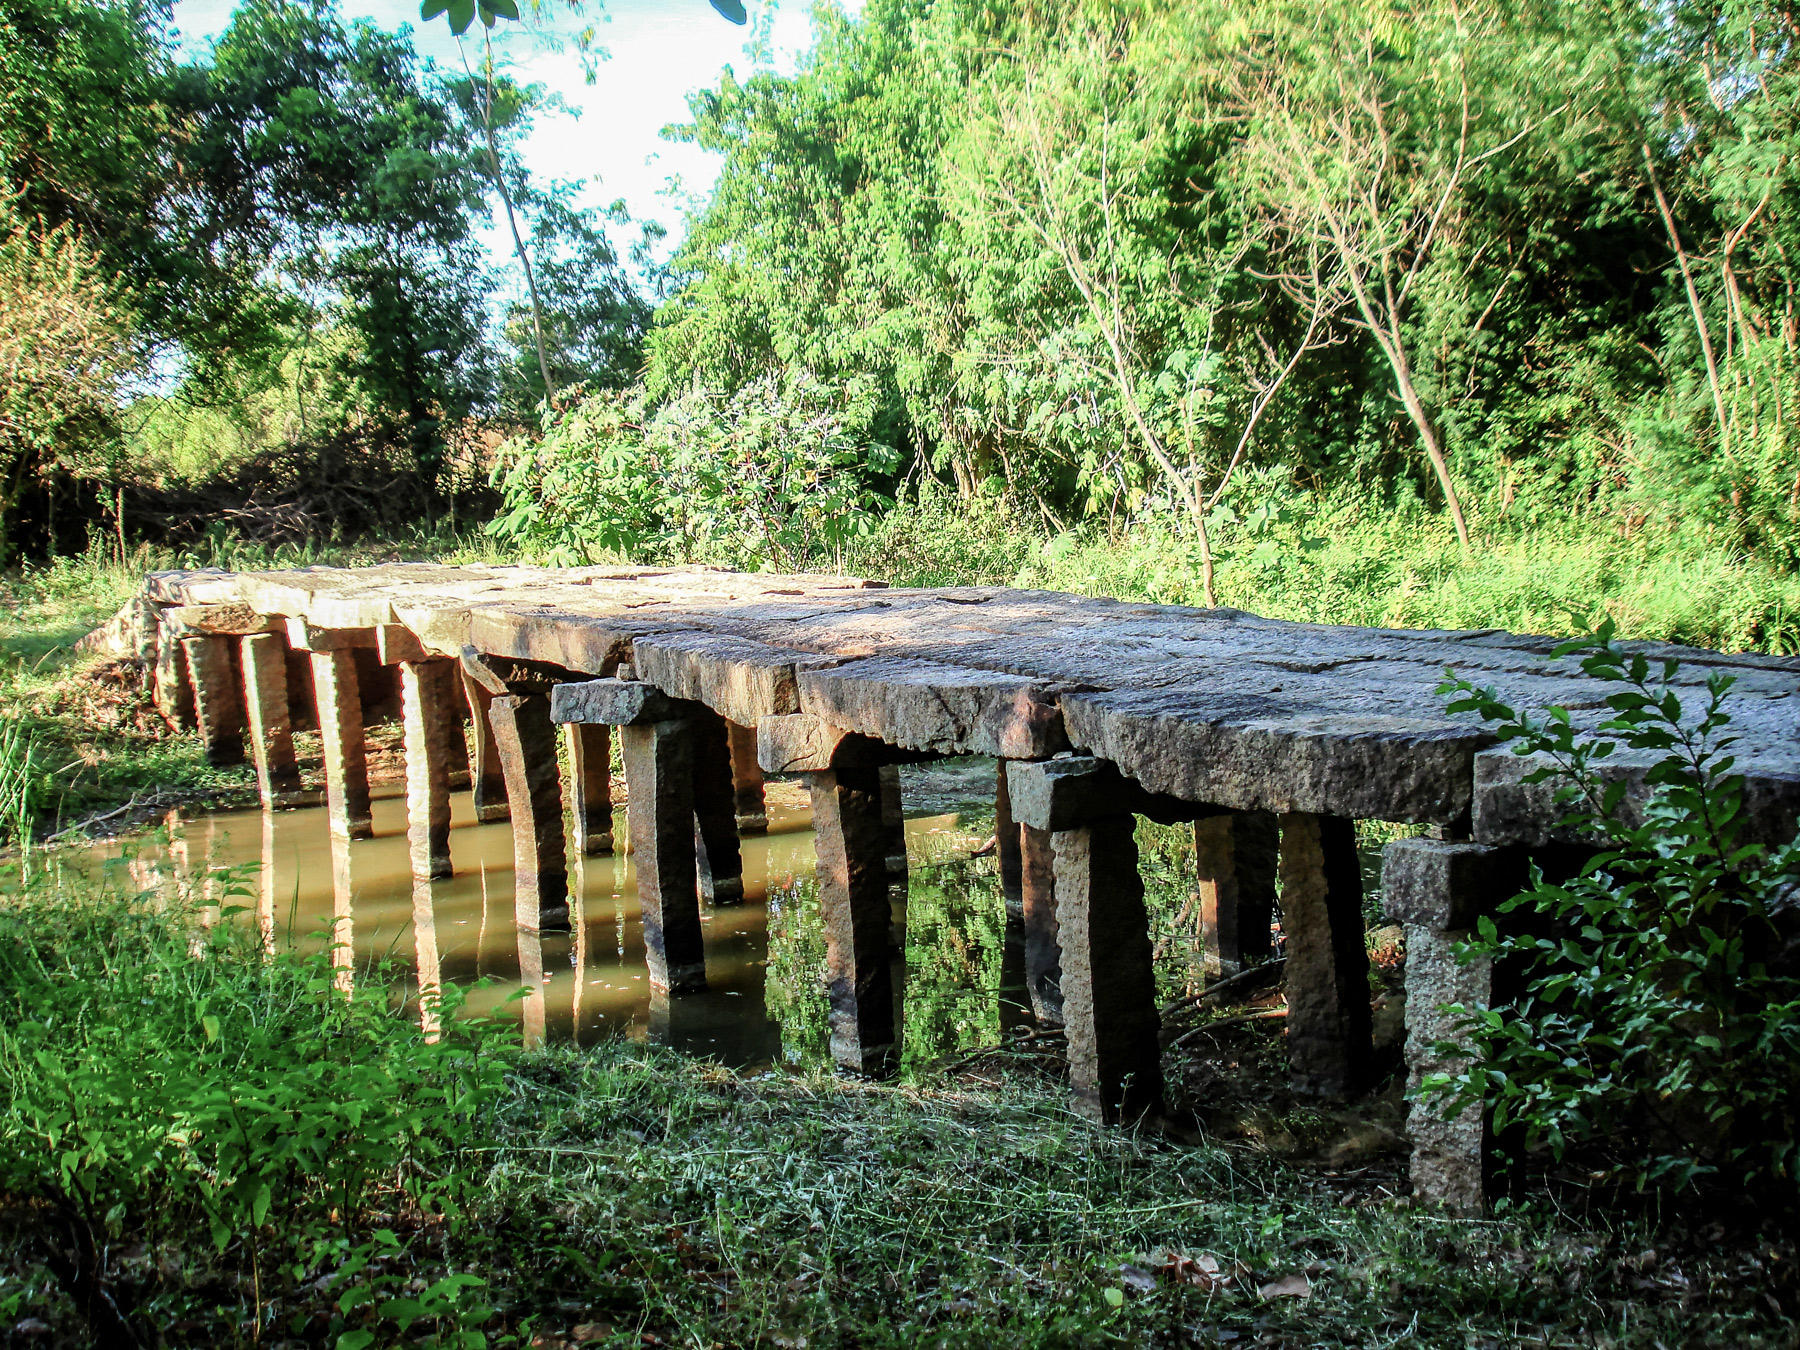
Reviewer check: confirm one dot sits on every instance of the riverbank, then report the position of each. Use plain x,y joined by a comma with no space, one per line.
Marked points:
468,1193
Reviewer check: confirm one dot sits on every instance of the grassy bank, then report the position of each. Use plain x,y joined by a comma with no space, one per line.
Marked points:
358,1186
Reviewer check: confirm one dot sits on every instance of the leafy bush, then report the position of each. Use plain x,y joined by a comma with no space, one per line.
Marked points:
772,475
160,1077
1656,1006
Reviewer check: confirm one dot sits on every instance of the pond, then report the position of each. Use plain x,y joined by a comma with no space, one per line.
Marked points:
764,1004
963,978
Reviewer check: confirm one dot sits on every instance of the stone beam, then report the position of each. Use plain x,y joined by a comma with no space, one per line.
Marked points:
1051,794
173,689
614,703
802,743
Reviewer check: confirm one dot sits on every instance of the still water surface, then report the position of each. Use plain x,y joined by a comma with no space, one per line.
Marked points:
764,958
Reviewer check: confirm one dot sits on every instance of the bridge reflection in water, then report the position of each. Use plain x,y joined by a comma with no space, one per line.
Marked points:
301,884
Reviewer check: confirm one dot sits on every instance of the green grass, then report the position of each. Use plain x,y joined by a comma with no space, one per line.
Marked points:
644,1198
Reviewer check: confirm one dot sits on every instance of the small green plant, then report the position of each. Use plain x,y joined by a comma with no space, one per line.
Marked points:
1656,1026
18,782
165,1078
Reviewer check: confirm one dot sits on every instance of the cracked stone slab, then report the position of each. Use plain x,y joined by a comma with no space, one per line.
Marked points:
947,710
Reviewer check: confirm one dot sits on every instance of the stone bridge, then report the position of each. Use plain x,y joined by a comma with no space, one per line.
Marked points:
1272,738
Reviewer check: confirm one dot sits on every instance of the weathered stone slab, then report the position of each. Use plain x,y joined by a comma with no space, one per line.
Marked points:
1062,793
227,620
736,677
1006,847
1508,810
1254,752
941,709
396,642
612,702
802,743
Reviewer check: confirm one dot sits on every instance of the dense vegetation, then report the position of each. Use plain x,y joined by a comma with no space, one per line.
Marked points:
1172,268
248,284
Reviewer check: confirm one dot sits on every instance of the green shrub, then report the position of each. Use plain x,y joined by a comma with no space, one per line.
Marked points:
161,1078
1653,1026
772,475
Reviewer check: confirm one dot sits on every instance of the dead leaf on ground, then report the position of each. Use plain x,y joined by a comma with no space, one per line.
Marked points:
1202,1270
1288,1286
588,1332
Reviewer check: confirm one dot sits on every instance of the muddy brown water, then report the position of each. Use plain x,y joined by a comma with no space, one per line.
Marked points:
764,1003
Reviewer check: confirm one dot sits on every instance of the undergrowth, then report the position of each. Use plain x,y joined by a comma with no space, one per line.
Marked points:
258,1157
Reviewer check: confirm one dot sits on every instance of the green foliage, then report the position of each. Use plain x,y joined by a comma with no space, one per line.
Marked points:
771,476
163,1077
1658,1002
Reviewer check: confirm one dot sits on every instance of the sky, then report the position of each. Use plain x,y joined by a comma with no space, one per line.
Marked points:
659,51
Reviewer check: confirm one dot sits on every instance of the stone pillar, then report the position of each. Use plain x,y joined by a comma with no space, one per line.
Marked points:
343,914
1108,982
854,839
264,659
1006,848
1329,1028
718,858
1237,857
486,781
525,740
425,712
893,824
590,787
1109,985
1439,890
659,779
1043,948
341,730
174,691
747,781
218,697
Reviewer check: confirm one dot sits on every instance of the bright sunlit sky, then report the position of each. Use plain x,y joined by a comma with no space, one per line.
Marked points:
660,50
